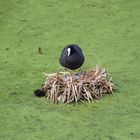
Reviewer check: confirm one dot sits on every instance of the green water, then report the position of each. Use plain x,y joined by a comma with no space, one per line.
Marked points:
108,31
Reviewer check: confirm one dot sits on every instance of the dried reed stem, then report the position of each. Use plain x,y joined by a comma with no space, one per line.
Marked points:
89,85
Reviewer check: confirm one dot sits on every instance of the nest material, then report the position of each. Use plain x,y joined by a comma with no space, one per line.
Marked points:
87,85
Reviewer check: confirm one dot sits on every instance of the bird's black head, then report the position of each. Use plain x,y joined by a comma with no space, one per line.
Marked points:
71,49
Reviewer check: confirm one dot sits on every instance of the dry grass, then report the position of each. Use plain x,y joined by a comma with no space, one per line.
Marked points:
87,85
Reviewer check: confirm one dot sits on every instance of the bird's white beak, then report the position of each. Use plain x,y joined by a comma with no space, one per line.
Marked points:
69,50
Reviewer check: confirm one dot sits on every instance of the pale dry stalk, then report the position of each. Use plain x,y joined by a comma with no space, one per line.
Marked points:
89,85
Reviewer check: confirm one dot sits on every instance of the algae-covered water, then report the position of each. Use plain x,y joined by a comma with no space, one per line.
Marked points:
108,31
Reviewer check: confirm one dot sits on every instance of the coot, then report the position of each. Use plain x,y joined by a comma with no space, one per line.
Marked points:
39,93
72,57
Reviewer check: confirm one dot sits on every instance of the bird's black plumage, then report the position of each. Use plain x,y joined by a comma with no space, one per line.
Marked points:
72,59
39,93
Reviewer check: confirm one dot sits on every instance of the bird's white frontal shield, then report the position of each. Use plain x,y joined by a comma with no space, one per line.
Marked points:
69,51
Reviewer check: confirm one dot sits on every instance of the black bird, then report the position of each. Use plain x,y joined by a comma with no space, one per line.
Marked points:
39,93
72,57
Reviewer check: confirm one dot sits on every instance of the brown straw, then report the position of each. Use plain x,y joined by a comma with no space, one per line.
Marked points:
89,85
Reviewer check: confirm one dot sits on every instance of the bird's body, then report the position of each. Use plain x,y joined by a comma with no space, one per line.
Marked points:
72,57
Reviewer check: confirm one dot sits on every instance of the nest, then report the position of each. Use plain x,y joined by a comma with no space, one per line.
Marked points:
88,85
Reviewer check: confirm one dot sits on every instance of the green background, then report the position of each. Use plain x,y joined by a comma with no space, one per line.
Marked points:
108,31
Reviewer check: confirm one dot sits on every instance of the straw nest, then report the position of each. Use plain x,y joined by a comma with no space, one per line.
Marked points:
87,85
